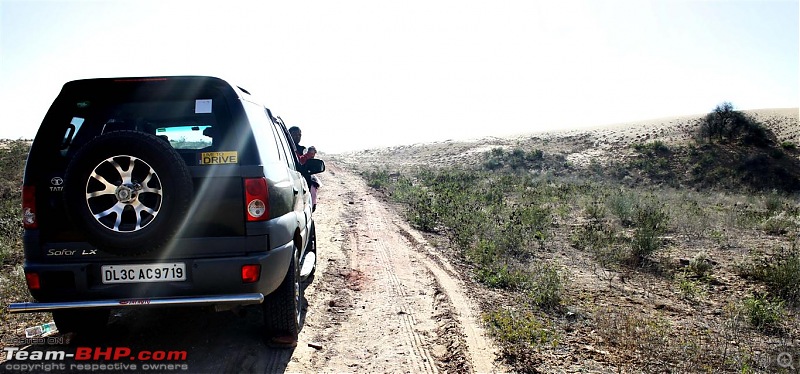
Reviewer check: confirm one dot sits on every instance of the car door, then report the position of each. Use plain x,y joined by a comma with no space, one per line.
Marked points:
302,204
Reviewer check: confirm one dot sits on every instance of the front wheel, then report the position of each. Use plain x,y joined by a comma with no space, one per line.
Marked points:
282,308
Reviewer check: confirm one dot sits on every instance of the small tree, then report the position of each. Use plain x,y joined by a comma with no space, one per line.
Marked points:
726,124
715,123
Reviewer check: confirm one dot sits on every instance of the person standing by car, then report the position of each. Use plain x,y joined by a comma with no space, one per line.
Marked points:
304,155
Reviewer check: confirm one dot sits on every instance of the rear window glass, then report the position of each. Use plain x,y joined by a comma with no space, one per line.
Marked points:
195,119
186,137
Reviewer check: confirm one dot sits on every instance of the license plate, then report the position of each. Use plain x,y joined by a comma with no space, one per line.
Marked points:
171,272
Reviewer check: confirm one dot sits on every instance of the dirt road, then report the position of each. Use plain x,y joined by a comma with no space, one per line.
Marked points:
381,301
386,301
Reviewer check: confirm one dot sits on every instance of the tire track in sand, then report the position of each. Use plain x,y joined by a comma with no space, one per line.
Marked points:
376,227
381,304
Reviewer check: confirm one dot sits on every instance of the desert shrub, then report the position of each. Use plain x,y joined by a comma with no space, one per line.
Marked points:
516,159
700,266
595,211
519,327
12,164
655,148
623,206
690,217
546,287
780,224
496,268
524,224
764,314
689,289
782,275
500,275
778,271
789,146
629,332
521,336
421,213
602,241
376,179
726,124
653,160
773,202
650,222
647,217
10,229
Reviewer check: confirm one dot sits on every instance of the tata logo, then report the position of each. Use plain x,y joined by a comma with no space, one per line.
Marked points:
57,184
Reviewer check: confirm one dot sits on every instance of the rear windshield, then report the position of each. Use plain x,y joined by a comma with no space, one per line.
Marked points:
192,120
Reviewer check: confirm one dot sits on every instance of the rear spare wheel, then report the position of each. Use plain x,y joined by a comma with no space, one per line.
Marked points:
128,191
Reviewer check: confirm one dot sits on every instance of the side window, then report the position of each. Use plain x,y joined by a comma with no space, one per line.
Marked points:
268,145
73,128
285,149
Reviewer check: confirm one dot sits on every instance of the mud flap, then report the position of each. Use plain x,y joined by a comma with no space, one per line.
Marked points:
308,264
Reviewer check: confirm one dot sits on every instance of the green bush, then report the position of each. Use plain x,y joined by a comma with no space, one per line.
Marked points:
764,314
546,287
422,213
376,179
726,124
689,289
650,222
700,266
779,271
516,159
12,164
595,211
493,267
602,241
623,205
780,224
519,328
656,148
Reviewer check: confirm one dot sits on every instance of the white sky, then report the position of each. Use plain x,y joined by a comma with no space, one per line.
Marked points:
363,74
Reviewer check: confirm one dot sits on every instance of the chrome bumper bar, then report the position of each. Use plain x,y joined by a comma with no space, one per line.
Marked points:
240,299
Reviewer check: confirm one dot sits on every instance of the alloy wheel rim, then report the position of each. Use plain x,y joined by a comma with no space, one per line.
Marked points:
123,193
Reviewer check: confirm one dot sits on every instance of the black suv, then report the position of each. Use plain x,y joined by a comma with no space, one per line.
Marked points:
165,191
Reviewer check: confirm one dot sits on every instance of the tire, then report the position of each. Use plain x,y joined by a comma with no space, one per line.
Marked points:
282,308
89,322
128,191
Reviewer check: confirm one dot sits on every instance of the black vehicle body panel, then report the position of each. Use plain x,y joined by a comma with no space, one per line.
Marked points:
214,240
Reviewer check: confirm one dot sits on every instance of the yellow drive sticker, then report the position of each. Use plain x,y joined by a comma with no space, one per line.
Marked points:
219,158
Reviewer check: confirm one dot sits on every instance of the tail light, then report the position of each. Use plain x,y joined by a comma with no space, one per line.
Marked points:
32,279
256,199
251,273
29,220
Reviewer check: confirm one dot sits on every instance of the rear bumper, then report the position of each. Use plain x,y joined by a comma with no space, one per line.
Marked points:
79,284
243,299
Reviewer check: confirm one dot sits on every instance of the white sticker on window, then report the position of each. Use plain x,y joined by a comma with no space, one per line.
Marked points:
202,106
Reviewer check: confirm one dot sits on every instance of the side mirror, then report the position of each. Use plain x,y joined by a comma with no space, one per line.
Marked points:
314,166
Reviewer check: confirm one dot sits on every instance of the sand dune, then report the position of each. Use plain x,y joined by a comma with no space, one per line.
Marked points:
579,146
